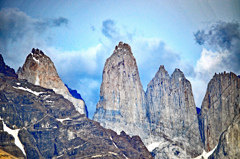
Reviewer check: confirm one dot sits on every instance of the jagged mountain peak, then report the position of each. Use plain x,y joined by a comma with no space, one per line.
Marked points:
162,72
177,73
5,69
122,98
39,69
122,48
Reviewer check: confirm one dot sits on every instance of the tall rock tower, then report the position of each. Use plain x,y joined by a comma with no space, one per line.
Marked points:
40,70
220,106
173,112
122,104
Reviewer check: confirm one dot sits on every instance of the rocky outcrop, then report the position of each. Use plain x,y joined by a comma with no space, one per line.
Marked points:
76,95
5,69
6,155
46,125
122,103
229,143
40,70
173,115
164,117
220,105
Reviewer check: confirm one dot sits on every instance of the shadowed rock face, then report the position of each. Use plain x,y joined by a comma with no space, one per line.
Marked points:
229,142
173,115
219,107
50,127
40,70
76,95
5,69
122,104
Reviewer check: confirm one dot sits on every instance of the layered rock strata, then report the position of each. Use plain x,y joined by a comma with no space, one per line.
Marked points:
220,105
172,113
40,70
35,122
122,103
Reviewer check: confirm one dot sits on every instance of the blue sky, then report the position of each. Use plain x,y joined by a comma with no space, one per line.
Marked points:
198,36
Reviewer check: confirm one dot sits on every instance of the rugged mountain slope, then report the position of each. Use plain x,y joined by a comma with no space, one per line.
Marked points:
220,105
122,104
38,123
6,69
173,115
229,142
40,70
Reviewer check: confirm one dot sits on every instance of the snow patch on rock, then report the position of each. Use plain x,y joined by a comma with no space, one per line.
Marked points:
29,90
152,146
14,133
62,120
205,154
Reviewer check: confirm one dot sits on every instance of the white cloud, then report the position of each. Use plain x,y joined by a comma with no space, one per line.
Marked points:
211,62
208,64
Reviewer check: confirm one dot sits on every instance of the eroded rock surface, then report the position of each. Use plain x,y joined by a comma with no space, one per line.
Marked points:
122,104
35,122
229,142
50,127
220,105
173,115
164,115
40,70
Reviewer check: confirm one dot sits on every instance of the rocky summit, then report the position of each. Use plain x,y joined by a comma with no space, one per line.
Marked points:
122,103
220,106
40,70
173,116
164,115
35,122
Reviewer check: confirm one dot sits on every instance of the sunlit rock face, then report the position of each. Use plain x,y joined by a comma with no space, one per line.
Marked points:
229,142
173,116
122,104
40,70
220,105
164,116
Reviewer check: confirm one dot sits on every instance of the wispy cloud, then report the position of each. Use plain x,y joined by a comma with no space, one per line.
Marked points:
223,54
224,40
19,33
109,28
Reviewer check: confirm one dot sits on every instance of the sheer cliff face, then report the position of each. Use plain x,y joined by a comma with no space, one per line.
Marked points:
229,145
220,105
172,110
40,70
122,104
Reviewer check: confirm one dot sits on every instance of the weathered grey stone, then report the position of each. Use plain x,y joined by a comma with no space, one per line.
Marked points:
122,104
40,70
172,112
220,105
229,143
166,112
